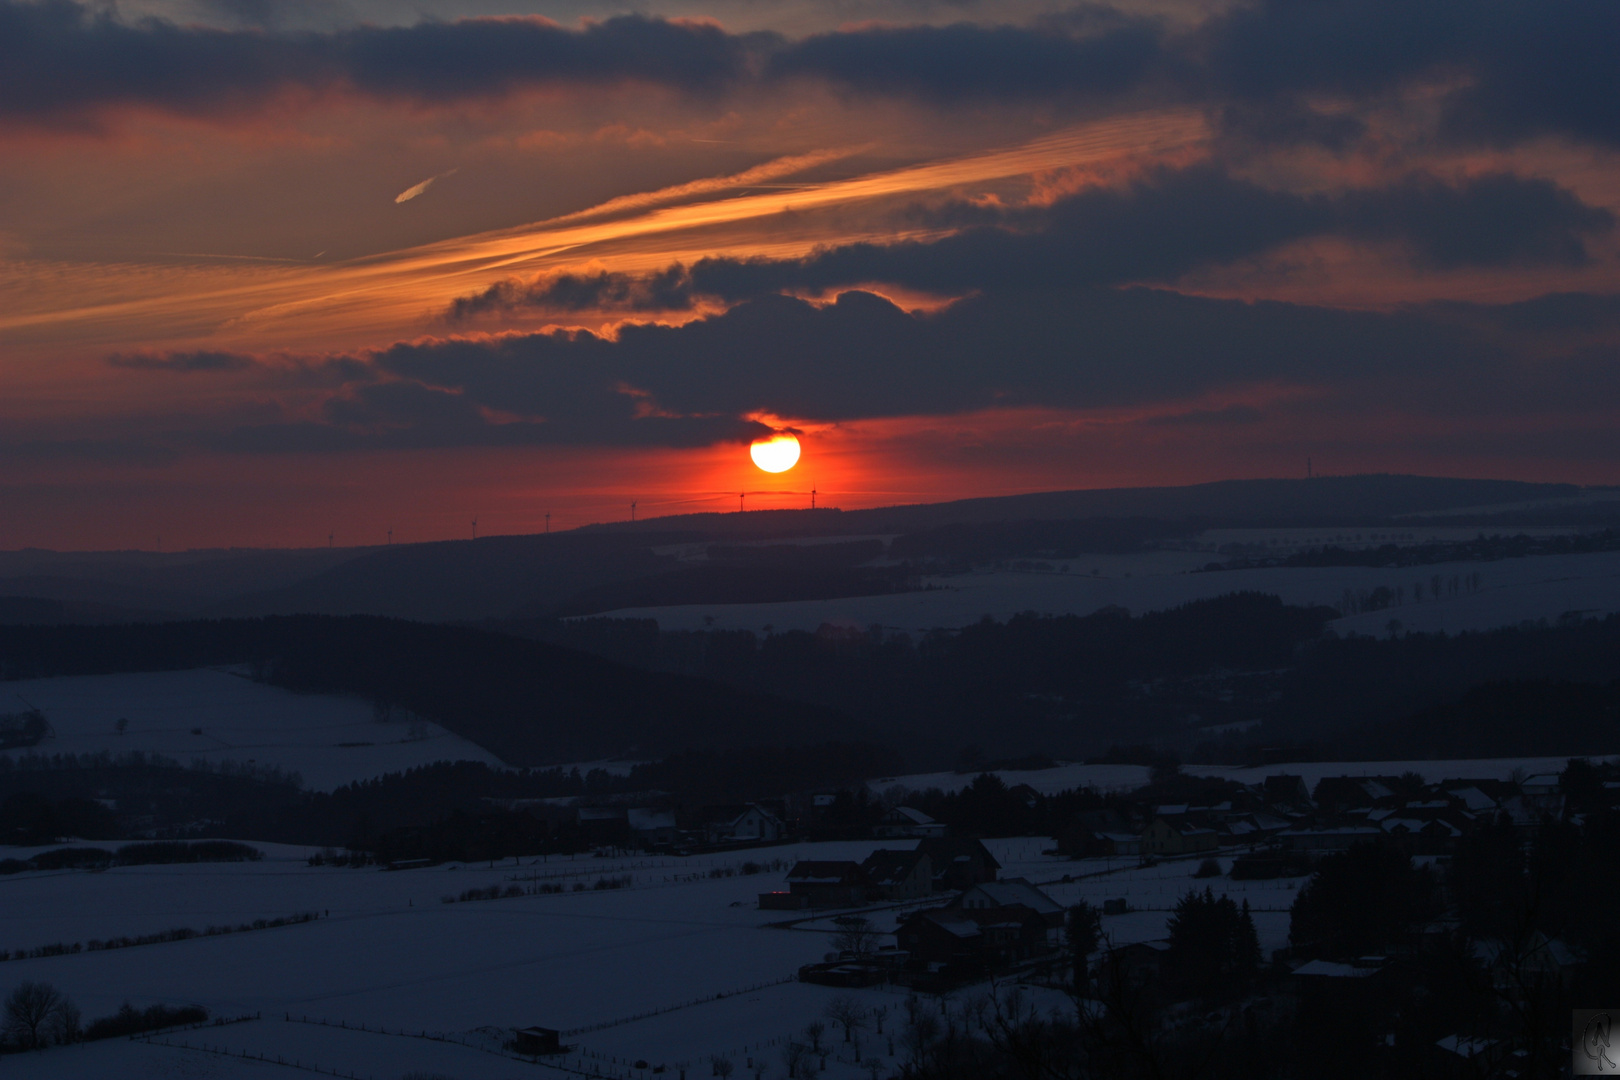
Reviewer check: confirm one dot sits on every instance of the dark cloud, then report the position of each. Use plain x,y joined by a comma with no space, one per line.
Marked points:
1493,220
1156,230
1075,347
863,357
60,58
1515,70
665,290
962,62
1523,69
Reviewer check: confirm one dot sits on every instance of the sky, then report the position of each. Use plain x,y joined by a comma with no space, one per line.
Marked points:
297,272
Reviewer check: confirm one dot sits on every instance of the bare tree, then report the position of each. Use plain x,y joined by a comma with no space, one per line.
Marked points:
878,1014
849,1014
30,1011
722,1067
1082,930
794,1056
922,1029
66,1026
815,1031
856,935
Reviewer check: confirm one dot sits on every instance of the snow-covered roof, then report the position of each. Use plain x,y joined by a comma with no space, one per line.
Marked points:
811,872
1013,891
911,814
1329,970
952,922
1465,1045
644,820
1474,799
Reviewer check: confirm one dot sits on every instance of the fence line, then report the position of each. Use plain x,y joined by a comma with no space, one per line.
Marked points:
439,1037
163,937
262,1056
684,1005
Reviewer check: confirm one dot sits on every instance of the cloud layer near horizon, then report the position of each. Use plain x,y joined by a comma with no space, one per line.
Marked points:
861,358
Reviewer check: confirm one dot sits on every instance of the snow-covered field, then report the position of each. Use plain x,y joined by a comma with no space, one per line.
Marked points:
221,716
1130,777
690,948
1513,590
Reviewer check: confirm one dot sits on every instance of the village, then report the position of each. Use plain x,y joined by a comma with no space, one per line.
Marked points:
1238,908
930,911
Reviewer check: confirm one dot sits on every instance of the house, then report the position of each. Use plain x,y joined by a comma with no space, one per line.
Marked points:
1010,933
1286,789
653,826
1542,794
749,823
1120,843
1164,837
1334,838
1472,799
1252,828
1353,792
907,821
828,884
1537,959
1313,970
941,938
603,824
1422,834
1540,785
898,875
958,862
1135,965
1013,892
953,941
538,1040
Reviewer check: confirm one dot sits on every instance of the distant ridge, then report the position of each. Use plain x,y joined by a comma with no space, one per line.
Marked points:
576,571
1325,500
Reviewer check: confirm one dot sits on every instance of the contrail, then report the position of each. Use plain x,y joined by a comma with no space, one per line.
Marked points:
362,300
416,189
770,170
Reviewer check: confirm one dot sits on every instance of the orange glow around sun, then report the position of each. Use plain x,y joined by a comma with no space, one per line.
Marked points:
777,454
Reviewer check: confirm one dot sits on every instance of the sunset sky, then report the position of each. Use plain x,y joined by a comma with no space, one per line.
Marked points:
274,270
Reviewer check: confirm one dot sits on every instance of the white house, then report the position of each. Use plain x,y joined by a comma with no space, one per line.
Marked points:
905,821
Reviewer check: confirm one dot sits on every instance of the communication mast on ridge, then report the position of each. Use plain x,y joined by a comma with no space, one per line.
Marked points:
390,535
475,528
812,498
740,495
548,521
632,511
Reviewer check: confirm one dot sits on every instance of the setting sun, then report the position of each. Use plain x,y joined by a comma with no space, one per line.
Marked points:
777,454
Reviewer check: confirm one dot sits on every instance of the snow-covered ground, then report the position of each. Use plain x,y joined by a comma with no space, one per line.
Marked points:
692,950
1512,590
220,716
1130,777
